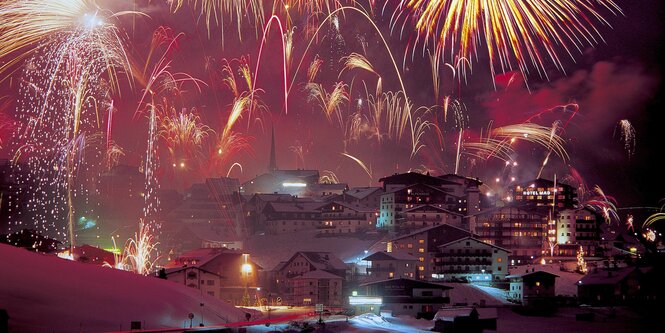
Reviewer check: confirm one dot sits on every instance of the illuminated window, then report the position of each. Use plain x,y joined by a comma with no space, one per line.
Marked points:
499,260
421,259
537,283
421,241
391,274
421,268
421,250
410,246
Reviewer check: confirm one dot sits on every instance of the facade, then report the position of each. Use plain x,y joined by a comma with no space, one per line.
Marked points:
543,195
316,287
194,277
471,259
421,216
401,297
458,197
579,227
531,287
238,273
521,231
391,265
611,286
290,217
339,217
292,290
423,244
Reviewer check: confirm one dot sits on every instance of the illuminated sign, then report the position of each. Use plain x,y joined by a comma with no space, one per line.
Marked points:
294,184
365,300
536,192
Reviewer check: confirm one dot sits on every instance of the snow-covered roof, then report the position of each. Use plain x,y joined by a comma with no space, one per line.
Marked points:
317,274
427,229
606,276
383,255
431,207
515,276
361,192
323,260
299,207
475,239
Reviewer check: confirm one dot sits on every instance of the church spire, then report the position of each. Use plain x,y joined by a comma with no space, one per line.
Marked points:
273,157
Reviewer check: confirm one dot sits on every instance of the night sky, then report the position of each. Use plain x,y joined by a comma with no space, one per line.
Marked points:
620,78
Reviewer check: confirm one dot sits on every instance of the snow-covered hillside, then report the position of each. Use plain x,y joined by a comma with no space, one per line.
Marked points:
47,294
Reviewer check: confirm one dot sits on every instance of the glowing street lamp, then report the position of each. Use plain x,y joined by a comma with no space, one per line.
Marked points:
246,269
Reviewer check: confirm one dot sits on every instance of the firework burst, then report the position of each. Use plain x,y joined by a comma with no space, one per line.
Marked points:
517,34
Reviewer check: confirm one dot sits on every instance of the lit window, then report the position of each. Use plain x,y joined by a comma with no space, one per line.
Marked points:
421,250
499,260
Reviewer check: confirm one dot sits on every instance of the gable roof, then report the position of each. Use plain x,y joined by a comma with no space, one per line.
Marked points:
361,192
458,233
317,274
606,276
319,260
432,207
413,178
437,189
515,276
477,240
383,255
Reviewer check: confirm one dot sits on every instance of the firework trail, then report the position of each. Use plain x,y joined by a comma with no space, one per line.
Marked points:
627,132
517,34
330,103
362,165
216,11
71,60
140,253
182,132
603,205
328,177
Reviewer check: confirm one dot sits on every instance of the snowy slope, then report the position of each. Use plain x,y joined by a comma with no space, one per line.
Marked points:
48,294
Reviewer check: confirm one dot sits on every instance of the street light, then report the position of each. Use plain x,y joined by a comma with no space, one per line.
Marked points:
246,269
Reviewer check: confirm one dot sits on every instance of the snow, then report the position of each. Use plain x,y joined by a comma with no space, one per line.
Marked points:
469,294
43,293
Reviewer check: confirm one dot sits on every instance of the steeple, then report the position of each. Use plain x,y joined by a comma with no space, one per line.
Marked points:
273,157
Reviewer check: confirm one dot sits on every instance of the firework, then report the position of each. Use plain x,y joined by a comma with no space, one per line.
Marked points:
652,219
72,53
216,11
516,33
328,177
355,60
627,132
602,204
183,132
330,103
362,164
140,252
314,68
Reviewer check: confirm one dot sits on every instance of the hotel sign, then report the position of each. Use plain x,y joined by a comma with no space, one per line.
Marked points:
536,192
